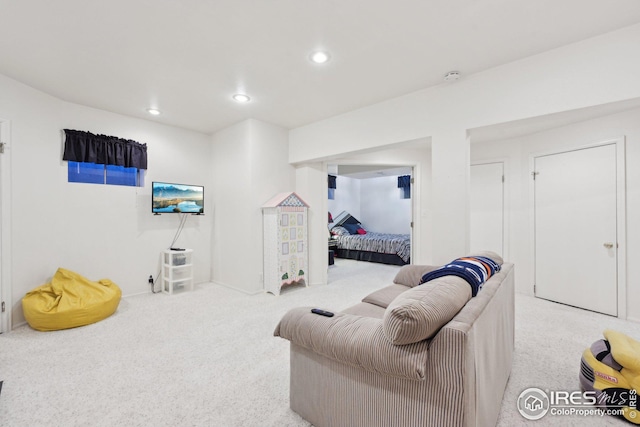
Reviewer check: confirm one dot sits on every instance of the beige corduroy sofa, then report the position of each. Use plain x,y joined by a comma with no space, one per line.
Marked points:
407,355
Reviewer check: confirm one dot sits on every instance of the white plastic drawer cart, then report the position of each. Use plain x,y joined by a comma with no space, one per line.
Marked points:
177,270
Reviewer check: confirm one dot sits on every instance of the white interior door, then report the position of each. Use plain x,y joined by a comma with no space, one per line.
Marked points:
5,227
486,208
5,291
575,228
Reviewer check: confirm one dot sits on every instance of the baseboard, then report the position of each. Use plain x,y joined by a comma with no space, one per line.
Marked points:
136,294
634,319
244,291
157,292
17,325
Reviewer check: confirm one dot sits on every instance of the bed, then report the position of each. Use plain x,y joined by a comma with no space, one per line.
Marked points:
366,245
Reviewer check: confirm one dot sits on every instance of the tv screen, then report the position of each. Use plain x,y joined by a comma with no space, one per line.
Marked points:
167,197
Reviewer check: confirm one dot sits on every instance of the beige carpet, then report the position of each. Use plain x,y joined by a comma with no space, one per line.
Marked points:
209,358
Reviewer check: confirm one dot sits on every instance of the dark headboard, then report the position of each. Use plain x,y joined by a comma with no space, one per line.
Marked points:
344,217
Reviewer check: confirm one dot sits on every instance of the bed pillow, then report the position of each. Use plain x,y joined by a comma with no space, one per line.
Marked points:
352,228
361,231
351,220
339,231
420,312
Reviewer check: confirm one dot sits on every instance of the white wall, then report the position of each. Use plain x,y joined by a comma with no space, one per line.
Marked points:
99,231
347,197
574,76
383,210
571,77
108,231
517,153
249,165
307,178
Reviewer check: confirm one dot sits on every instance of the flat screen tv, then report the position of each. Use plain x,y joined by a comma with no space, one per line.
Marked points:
168,197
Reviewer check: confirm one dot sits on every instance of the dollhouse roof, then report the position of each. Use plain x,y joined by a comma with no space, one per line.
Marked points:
285,199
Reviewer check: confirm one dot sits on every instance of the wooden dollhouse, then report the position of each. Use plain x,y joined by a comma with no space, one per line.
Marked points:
286,254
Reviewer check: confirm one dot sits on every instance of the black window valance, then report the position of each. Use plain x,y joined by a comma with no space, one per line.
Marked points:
404,181
332,181
86,147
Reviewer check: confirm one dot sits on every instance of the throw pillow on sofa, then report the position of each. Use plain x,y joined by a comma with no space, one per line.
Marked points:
418,313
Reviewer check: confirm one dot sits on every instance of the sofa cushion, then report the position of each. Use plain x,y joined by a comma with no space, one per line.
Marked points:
410,274
419,313
383,297
364,309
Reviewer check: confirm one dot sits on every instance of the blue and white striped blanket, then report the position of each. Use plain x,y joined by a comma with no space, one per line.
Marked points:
475,270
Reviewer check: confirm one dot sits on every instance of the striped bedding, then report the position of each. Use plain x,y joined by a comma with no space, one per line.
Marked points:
384,243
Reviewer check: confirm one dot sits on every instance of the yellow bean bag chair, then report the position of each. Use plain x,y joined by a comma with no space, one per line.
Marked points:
69,301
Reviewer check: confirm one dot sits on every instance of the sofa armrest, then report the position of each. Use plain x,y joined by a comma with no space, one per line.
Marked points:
354,340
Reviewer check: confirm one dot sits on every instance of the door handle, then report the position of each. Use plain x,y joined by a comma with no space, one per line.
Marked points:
608,245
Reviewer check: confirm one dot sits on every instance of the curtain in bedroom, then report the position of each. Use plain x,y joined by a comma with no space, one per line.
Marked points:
332,181
86,147
404,182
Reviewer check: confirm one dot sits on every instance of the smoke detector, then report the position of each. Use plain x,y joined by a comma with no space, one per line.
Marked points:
452,76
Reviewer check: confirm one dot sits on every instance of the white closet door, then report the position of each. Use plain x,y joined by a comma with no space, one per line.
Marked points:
575,228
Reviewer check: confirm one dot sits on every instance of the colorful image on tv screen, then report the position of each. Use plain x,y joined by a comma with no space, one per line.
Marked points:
177,198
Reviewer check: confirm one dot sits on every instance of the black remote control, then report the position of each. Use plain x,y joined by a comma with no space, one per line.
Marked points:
321,312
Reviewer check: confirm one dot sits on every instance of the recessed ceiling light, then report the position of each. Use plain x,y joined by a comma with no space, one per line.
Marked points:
240,97
320,57
153,111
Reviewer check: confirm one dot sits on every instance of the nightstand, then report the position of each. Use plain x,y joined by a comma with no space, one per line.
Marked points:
333,248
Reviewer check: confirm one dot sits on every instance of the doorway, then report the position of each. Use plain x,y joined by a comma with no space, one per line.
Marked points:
372,193
578,221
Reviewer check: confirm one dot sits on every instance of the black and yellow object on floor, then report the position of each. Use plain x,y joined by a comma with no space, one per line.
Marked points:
70,300
611,368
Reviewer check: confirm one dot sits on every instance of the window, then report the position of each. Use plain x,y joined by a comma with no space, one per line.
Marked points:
102,159
93,173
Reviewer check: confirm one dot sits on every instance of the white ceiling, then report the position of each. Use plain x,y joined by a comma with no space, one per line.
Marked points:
187,57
